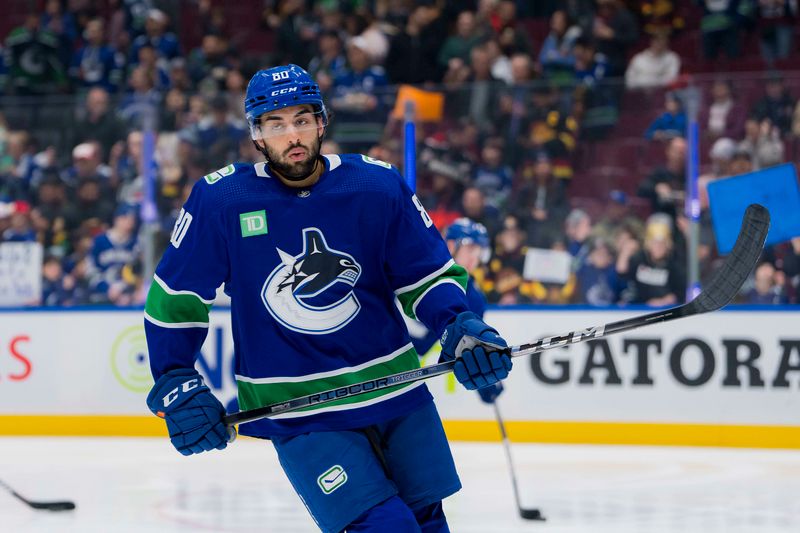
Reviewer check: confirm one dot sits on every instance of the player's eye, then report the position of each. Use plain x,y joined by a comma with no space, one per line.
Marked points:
300,122
275,126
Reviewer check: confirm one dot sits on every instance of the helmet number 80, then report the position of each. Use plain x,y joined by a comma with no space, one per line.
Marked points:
282,75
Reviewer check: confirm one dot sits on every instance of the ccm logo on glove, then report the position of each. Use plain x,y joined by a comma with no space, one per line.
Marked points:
185,387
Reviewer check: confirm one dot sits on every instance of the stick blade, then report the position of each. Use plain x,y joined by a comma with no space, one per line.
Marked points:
531,514
52,506
727,281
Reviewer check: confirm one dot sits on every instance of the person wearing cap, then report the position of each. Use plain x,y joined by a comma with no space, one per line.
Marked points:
87,163
157,36
20,228
359,97
354,85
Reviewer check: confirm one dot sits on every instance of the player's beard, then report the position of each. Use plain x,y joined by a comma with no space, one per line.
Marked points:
294,171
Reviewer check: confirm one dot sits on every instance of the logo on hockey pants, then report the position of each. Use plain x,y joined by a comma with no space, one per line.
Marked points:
312,292
332,479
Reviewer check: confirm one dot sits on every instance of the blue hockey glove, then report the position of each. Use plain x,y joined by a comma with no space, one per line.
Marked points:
193,413
481,355
489,394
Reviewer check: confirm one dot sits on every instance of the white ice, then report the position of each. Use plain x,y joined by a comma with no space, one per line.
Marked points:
123,485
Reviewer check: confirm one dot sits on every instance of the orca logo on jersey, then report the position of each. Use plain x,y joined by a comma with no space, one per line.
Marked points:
313,292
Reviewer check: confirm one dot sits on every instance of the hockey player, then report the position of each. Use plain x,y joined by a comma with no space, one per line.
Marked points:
468,243
313,250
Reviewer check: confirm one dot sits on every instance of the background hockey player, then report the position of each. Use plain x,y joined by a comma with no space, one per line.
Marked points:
313,250
468,243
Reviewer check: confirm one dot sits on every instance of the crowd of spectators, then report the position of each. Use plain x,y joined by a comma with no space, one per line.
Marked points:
517,110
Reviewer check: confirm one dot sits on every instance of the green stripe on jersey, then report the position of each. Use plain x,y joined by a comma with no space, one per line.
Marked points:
253,395
409,299
175,308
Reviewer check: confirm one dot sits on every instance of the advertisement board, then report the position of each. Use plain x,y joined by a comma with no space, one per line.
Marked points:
722,373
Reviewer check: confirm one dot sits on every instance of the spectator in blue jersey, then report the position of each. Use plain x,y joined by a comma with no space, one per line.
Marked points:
142,101
62,24
313,251
359,98
492,176
95,64
157,36
149,60
113,251
597,279
557,58
329,59
595,95
218,136
56,286
671,123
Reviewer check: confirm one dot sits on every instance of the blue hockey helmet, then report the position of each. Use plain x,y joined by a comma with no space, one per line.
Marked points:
466,231
279,87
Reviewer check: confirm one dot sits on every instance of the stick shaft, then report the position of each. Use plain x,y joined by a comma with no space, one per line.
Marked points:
411,376
507,448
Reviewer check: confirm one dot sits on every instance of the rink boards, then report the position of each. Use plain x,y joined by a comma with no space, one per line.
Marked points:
730,378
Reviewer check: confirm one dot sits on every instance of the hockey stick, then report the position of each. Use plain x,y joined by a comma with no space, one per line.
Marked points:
529,513
49,506
722,288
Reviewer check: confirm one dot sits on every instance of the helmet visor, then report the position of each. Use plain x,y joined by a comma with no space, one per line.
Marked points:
277,124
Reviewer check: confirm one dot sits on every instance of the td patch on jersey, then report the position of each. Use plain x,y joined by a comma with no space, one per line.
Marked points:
312,292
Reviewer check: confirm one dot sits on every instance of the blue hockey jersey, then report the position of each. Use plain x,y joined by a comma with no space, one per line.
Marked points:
312,274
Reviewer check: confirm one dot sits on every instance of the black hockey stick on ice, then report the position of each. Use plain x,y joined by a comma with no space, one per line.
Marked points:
722,288
526,513
47,506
